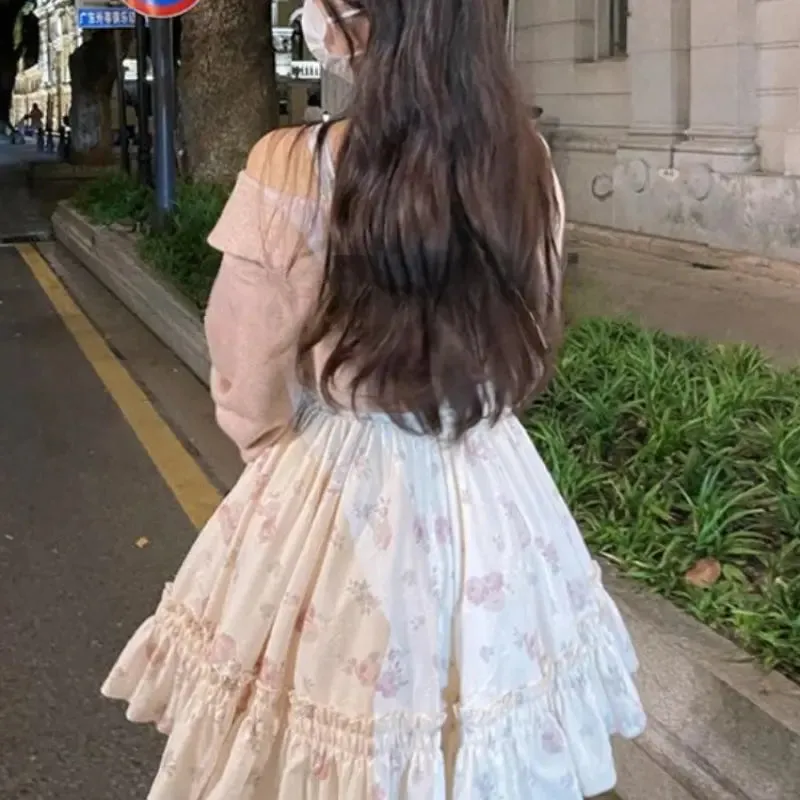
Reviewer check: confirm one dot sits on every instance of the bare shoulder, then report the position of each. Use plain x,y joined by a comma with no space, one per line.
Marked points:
283,160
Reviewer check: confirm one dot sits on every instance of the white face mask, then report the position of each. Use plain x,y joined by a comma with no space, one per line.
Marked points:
315,24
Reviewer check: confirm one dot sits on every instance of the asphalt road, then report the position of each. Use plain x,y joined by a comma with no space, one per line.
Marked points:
76,492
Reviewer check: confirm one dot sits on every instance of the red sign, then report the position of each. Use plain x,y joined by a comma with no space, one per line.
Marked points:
161,9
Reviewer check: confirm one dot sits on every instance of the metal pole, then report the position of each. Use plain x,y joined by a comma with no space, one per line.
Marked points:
121,106
143,102
511,26
161,41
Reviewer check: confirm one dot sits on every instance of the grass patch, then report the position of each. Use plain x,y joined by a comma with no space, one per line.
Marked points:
670,451
179,251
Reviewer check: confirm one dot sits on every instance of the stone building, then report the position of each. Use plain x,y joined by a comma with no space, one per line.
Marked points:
675,118
48,82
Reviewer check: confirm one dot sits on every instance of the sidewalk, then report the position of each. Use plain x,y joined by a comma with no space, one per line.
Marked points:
21,219
721,302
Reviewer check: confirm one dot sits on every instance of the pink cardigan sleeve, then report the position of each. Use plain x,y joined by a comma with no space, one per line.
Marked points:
255,313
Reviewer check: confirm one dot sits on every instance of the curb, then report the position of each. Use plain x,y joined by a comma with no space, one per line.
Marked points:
112,258
720,729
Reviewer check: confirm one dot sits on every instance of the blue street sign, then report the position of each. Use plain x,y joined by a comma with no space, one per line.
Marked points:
99,18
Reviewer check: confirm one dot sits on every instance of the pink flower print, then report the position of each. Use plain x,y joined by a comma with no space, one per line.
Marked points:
476,593
270,511
420,531
361,465
378,793
444,531
388,685
228,521
223,649
409,578
475,449
530,643
338,478
488,591
270,673
514,516
553,740
320,766
549,552
307,624
495,592
367,671
365,601
486,653
417,623
579,594
392,678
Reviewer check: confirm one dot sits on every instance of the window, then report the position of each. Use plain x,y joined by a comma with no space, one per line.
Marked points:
602,29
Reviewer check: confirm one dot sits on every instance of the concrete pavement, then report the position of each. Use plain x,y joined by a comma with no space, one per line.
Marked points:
21,217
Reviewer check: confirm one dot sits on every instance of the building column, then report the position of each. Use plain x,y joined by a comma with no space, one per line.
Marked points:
724,66
658,55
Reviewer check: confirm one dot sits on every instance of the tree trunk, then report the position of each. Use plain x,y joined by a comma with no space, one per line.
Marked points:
228,94
93,71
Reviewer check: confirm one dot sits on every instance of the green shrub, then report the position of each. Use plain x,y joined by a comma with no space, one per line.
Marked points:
179,250
670,451
115,197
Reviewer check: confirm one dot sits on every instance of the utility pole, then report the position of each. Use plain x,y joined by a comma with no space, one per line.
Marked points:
162,48
143,102
124,144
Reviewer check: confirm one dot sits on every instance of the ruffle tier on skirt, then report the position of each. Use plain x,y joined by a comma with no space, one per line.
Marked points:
373,615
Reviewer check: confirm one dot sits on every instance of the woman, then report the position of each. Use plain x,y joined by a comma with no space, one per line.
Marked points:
393,602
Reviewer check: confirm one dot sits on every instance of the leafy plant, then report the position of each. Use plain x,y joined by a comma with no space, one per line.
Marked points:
179,250
114,198
681,460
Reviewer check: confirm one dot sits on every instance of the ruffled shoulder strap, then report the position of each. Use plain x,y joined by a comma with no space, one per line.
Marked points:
279,197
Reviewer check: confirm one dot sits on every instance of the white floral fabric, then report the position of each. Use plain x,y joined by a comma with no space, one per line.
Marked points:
375,615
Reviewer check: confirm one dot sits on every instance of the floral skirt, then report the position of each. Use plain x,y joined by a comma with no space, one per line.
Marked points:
374,615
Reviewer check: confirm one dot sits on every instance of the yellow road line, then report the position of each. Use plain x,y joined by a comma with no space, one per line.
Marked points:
192,489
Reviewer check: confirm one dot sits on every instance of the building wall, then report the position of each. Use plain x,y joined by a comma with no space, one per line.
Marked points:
777,37
48,83
586,100
693,132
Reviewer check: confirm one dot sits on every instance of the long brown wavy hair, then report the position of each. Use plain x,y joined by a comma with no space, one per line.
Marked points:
442,279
